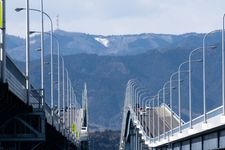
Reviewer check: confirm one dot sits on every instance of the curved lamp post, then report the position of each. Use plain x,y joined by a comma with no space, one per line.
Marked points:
190,79
132,84
158,103
58,64
153,118
223,76
171,99
42,52
164,97
139,92
179,89
204,79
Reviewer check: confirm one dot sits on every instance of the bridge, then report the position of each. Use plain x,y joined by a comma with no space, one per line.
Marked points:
155,126
27,121
156,122
32,124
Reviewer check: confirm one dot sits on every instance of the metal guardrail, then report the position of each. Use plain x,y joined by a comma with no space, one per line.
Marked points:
213,113
13,69
214,117
17,81
125,109
15,86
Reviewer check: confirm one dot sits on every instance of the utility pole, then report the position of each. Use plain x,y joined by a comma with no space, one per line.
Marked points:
57,22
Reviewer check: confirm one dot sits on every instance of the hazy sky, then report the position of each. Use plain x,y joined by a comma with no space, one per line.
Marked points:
122,16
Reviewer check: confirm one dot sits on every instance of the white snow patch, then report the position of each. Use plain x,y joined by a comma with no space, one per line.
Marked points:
103,41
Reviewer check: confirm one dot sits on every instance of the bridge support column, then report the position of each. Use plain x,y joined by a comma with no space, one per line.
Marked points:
132,140
136,140
139,142
131,144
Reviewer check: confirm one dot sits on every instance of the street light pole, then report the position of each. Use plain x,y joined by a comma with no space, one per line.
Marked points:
179,94
134,91
158,98
179,89
52,86
71,91
42,54
151,108
149,113
69,107
223,74
63,89
190,85
132,84
137,91
28,51
164,121
51,41
153,126
164,97
67,93
204,80
171,101
74,97
58,64
143,109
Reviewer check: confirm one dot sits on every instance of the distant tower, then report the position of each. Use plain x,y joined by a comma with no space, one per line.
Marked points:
85,105
57,22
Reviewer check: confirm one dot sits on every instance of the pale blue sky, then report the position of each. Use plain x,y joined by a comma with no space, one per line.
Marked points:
122,16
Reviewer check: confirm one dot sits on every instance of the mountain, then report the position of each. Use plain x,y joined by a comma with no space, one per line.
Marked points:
104,140
107,75
114,45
